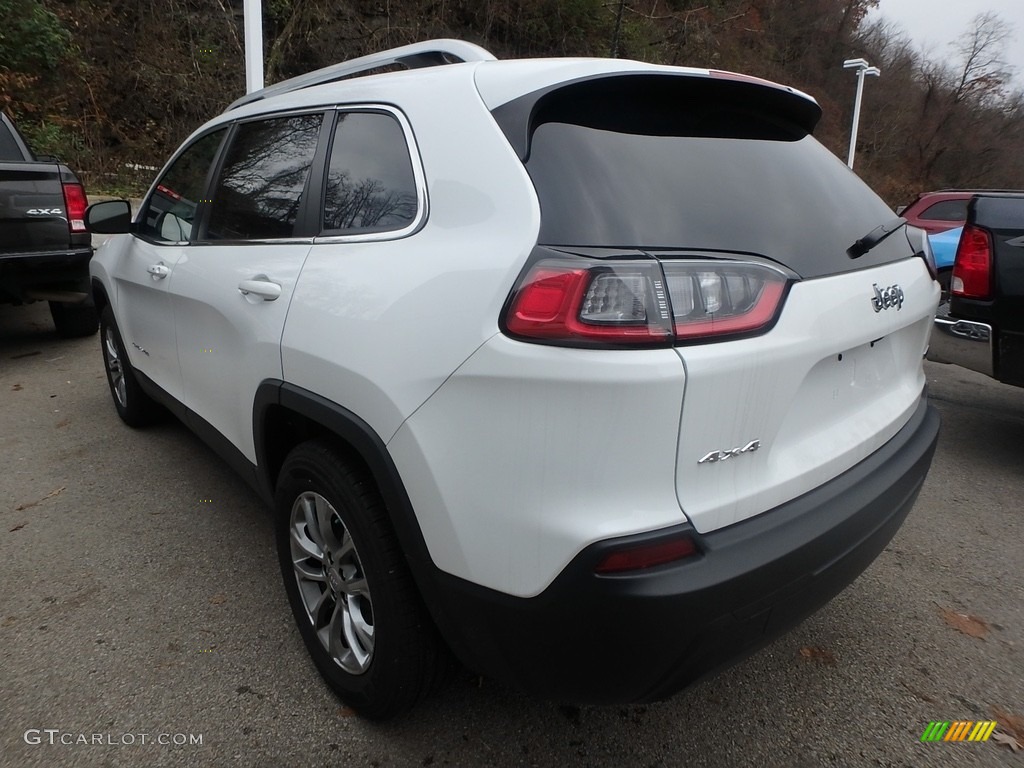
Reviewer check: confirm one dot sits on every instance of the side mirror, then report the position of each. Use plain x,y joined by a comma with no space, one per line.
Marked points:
111,217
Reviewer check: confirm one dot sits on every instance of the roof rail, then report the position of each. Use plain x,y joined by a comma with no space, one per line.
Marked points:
429,53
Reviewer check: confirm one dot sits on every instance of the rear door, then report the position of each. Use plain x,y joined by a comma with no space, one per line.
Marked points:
231,290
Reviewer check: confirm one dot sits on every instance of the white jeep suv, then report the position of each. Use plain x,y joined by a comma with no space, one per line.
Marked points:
597,373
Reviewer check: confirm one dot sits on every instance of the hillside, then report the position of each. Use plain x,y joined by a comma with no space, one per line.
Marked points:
105,84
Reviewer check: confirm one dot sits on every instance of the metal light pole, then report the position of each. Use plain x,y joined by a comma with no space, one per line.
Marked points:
253,22
862,69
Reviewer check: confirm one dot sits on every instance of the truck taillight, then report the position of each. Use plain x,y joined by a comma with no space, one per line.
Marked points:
644,303
75,204
972,268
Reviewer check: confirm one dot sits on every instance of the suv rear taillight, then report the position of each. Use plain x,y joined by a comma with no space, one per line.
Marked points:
644,303
972,269
75,204
711,299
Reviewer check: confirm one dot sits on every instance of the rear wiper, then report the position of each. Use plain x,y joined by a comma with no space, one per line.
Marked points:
874,237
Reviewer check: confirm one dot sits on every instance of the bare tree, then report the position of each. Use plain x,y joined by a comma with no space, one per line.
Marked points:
984,72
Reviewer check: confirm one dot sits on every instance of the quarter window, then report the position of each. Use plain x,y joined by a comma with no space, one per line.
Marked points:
370,182
260,188
946,210
170,212
9,149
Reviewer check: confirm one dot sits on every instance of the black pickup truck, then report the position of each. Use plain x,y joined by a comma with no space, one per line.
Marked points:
982,326
44,246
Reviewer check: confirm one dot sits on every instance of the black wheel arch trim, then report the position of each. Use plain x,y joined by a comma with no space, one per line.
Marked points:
364,441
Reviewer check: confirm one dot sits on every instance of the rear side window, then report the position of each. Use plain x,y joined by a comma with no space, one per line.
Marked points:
9,149
370,182
260,187
946,210
683,164
999,212
170,212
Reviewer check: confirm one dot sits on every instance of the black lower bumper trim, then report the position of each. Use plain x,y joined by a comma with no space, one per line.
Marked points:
645,635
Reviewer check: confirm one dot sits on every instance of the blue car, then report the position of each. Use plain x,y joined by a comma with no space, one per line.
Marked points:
944,249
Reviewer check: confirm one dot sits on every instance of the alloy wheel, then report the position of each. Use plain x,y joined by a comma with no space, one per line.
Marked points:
331,582
115,370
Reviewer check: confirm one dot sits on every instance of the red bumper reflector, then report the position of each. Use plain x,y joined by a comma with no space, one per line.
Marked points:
646,556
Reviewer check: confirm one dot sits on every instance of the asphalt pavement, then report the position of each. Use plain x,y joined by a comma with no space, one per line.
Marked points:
143,623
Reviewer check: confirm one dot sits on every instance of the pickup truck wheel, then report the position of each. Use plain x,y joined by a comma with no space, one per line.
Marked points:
74,320
944,278
134,406
351,591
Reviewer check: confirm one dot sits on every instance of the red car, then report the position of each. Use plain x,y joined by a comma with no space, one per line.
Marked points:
938,211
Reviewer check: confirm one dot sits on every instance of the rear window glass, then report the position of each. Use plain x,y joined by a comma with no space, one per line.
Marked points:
696,174
999,212
370,183
946,210
9,149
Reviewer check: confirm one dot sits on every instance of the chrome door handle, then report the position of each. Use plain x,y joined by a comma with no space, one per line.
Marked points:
158,271
265,289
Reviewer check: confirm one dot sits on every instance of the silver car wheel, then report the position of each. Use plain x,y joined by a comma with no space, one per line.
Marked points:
115,371
331,582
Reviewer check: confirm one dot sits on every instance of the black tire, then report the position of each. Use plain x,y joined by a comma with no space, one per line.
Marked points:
944,278
74,320
135,407
354,599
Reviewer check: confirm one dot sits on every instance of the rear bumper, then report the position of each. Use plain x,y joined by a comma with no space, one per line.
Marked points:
45,275
643,636
963,342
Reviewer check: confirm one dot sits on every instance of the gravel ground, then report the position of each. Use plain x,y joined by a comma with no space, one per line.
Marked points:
141,603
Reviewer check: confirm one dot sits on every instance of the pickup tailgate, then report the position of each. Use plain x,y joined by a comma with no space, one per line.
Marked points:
1003,218
32,209
990,272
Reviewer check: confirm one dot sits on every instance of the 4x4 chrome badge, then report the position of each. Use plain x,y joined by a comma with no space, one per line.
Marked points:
887,297
716,456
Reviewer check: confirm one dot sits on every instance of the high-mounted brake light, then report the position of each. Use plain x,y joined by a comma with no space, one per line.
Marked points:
972,268
75,204
644,303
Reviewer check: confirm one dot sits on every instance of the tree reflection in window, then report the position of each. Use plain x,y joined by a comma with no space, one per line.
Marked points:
370,183
260,187
171,209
